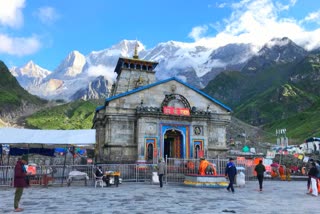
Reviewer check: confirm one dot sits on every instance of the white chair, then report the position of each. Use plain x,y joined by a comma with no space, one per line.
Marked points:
98,181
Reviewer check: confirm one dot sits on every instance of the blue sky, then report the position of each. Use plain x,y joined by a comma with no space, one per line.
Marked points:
46,31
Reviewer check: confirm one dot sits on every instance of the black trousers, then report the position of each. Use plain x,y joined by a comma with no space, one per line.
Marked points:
116,180
231,182
260,179
160,180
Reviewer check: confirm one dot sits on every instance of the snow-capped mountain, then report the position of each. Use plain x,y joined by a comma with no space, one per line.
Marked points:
64,81
29,75
98,88
70,67
177,59
276,51
78,76
229,57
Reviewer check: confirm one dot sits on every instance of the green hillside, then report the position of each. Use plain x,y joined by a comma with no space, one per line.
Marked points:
226,87
306,74
300,126
74,115
274,104
278,96
12,95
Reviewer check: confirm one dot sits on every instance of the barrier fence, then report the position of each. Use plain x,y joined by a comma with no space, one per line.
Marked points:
175,171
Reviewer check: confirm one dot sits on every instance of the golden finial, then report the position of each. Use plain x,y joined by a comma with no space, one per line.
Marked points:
135,55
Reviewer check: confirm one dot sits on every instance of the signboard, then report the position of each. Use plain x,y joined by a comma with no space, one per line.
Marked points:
200,153
176,111
270,154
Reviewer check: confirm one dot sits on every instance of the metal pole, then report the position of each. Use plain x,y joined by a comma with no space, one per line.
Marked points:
64,165
1,153
74,152
166,169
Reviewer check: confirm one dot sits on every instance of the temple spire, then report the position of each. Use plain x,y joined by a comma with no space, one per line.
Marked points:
135,55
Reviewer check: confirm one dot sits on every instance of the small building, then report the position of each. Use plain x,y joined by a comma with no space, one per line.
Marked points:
144,119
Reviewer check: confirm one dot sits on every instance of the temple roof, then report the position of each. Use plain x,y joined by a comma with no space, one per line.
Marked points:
161,82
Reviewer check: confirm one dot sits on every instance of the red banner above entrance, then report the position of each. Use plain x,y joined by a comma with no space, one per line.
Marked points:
176,111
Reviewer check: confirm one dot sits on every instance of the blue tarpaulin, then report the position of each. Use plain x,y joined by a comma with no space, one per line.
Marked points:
40,151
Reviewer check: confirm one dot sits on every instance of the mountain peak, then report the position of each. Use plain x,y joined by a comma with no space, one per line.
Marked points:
71,66
278,51
30,69
279,42
30,64
282,49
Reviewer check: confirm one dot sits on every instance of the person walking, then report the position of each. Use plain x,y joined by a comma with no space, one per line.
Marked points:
313,172
20,181
230,174
161,170
260,169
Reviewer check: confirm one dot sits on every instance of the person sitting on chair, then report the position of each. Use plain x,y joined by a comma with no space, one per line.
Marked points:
99,172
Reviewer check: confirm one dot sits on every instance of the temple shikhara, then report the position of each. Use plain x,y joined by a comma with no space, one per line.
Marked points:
145,119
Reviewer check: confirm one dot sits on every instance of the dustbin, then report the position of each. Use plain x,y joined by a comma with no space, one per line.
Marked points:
241,179
155,177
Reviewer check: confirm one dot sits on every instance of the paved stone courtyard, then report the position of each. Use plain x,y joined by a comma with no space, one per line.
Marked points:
277,197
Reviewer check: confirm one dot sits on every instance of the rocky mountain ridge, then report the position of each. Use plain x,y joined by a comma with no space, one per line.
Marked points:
196,65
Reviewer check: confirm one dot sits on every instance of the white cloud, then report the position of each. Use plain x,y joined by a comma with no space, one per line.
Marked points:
47,15
102,70
313,17
11,16
222,5
11,13
197,32
281,6
18,46
258,22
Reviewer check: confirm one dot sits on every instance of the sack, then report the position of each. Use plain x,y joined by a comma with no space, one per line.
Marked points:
314,187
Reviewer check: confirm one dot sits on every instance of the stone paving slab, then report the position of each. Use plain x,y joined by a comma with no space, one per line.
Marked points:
277,197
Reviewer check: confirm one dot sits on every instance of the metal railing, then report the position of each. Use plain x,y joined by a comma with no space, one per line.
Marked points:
6,175
175,171
177,168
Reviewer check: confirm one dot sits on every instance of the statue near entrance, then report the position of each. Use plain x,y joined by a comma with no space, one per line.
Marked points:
206,168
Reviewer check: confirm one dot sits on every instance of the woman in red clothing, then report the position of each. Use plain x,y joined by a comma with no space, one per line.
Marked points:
20,181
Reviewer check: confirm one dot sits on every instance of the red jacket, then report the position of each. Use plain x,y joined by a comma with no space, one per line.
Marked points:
20,175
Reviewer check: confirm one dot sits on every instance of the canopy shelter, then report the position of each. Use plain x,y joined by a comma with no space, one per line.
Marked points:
81,137
47,138
312,139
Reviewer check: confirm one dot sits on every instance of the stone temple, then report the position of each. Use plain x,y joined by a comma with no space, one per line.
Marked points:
145,119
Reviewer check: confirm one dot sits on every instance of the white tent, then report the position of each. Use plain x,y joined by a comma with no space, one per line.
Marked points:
47,137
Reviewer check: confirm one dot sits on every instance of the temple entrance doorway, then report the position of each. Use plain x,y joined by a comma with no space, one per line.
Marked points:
173,144
196,153
150,152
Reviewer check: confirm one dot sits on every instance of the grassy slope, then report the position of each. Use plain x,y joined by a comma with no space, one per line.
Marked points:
11,93
75,115
300,126
274,104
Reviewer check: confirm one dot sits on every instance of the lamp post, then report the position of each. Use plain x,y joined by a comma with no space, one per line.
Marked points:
281,137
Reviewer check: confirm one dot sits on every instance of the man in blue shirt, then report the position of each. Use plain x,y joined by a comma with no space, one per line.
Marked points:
230,173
